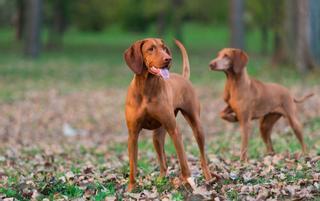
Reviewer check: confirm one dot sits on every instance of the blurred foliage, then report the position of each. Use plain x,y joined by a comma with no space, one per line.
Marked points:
49,8
139,15
265,14
257,13
6,8
133,15
93,15
208,11
268,20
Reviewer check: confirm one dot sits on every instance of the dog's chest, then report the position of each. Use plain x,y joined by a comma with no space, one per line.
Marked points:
152,110
149,122
234,99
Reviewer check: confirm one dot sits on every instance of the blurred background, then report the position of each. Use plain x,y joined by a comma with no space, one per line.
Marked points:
61,61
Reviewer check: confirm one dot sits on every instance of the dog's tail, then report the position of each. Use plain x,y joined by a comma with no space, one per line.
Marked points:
303,98
185,60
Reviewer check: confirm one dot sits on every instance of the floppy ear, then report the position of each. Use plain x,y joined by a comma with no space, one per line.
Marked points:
240,60
133,57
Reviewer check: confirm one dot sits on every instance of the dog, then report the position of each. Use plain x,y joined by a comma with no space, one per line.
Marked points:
154,98
249,99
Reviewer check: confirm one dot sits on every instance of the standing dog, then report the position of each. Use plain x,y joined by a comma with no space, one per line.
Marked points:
249,99
154,98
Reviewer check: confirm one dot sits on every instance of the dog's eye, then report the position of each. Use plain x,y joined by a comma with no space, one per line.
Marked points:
151,49
166,49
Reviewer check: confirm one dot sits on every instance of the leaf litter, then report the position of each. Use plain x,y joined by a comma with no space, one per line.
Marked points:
57,146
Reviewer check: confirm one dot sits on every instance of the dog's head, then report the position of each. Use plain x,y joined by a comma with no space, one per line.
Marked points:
230,59
149,54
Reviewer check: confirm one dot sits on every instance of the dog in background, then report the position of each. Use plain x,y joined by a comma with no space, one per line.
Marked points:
249,99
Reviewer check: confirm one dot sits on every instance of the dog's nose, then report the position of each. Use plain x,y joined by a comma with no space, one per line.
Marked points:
167,59
213,65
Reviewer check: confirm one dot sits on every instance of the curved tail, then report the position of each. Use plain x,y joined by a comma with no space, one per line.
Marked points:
303,98
185,60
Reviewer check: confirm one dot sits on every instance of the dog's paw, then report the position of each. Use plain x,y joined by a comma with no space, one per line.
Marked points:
131,187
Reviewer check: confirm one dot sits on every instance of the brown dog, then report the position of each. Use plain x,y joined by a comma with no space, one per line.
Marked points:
249,99
154,98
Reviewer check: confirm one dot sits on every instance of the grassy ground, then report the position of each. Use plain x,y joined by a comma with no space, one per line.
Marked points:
63,134
91,60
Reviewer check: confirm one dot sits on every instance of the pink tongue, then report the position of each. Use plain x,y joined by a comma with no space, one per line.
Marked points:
164,72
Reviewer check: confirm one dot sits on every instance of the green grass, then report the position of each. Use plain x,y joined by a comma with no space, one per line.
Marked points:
162,184
177,196
10,192
104,191
94,60
50,185
233,195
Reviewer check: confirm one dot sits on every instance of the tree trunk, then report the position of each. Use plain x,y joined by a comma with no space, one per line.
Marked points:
279,52
161,22
236,23
19,22
304,58
290,27
33,28
58,26
264,39
177,19
315,29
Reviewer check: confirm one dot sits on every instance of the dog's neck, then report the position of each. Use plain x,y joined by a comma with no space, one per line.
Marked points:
148,84
240,79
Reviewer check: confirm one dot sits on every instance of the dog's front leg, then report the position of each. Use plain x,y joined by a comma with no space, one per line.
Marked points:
158,142
133,154
245,125
228,114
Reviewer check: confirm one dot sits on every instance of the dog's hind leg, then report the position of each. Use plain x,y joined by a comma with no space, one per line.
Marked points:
194,122
297,129
295,124
266,124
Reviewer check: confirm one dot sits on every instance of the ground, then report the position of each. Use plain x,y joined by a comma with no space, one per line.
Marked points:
63,146
63,133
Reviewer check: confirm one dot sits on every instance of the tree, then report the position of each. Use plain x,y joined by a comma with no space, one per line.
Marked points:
33,27
304,59
315,29
259,16
160,12
207,11
133,15
58,22
19,20
290,26
236,23
178,18
279,52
